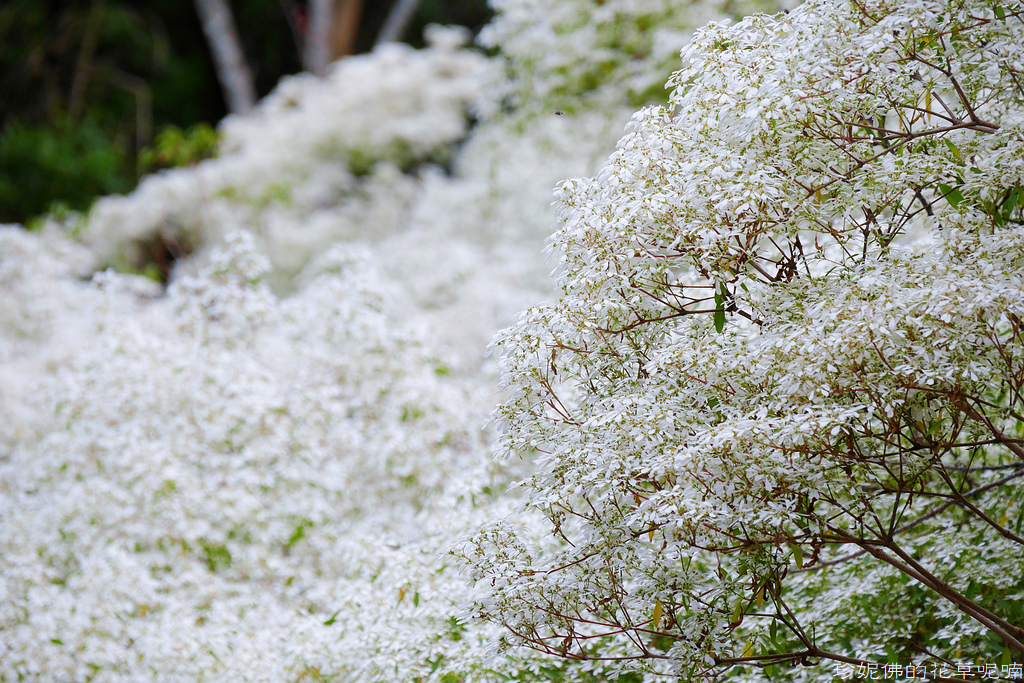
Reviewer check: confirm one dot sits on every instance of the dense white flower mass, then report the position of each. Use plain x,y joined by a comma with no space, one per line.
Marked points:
777,407
257,473
577,54
320,160
779,379
210,476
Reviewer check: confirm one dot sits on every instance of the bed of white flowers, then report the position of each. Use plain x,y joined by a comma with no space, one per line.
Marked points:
779,380
777,407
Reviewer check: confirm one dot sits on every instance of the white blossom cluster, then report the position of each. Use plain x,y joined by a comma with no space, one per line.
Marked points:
786,344
220,485
584,54
256,473
320,160
777,408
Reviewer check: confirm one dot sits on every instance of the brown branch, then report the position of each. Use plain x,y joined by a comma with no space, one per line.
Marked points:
939,509
959,498
907,565
1005,440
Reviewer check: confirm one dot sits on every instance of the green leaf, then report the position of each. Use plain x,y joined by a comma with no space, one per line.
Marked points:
798,555
216,555
333,619
720,309
951,195
1003,213
955,150
737,611
299,533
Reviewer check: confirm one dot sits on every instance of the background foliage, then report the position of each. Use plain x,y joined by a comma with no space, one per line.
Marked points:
88,84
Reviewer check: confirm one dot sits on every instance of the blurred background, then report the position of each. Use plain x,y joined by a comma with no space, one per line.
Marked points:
96,93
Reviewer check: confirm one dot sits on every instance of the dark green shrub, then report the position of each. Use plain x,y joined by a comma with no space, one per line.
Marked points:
43,166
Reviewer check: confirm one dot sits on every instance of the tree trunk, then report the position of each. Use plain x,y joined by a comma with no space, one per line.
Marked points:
232,69
332,31
398,20
345,29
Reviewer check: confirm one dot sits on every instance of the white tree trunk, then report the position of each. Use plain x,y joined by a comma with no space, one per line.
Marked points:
318,36
232,69
398,20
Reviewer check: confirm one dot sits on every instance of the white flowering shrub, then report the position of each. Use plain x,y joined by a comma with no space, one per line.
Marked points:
216,483
320,160
380,151
776,410
228,486
575,55
780,384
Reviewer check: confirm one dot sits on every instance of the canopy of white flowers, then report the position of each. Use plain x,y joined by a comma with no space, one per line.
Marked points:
780,373
777,406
